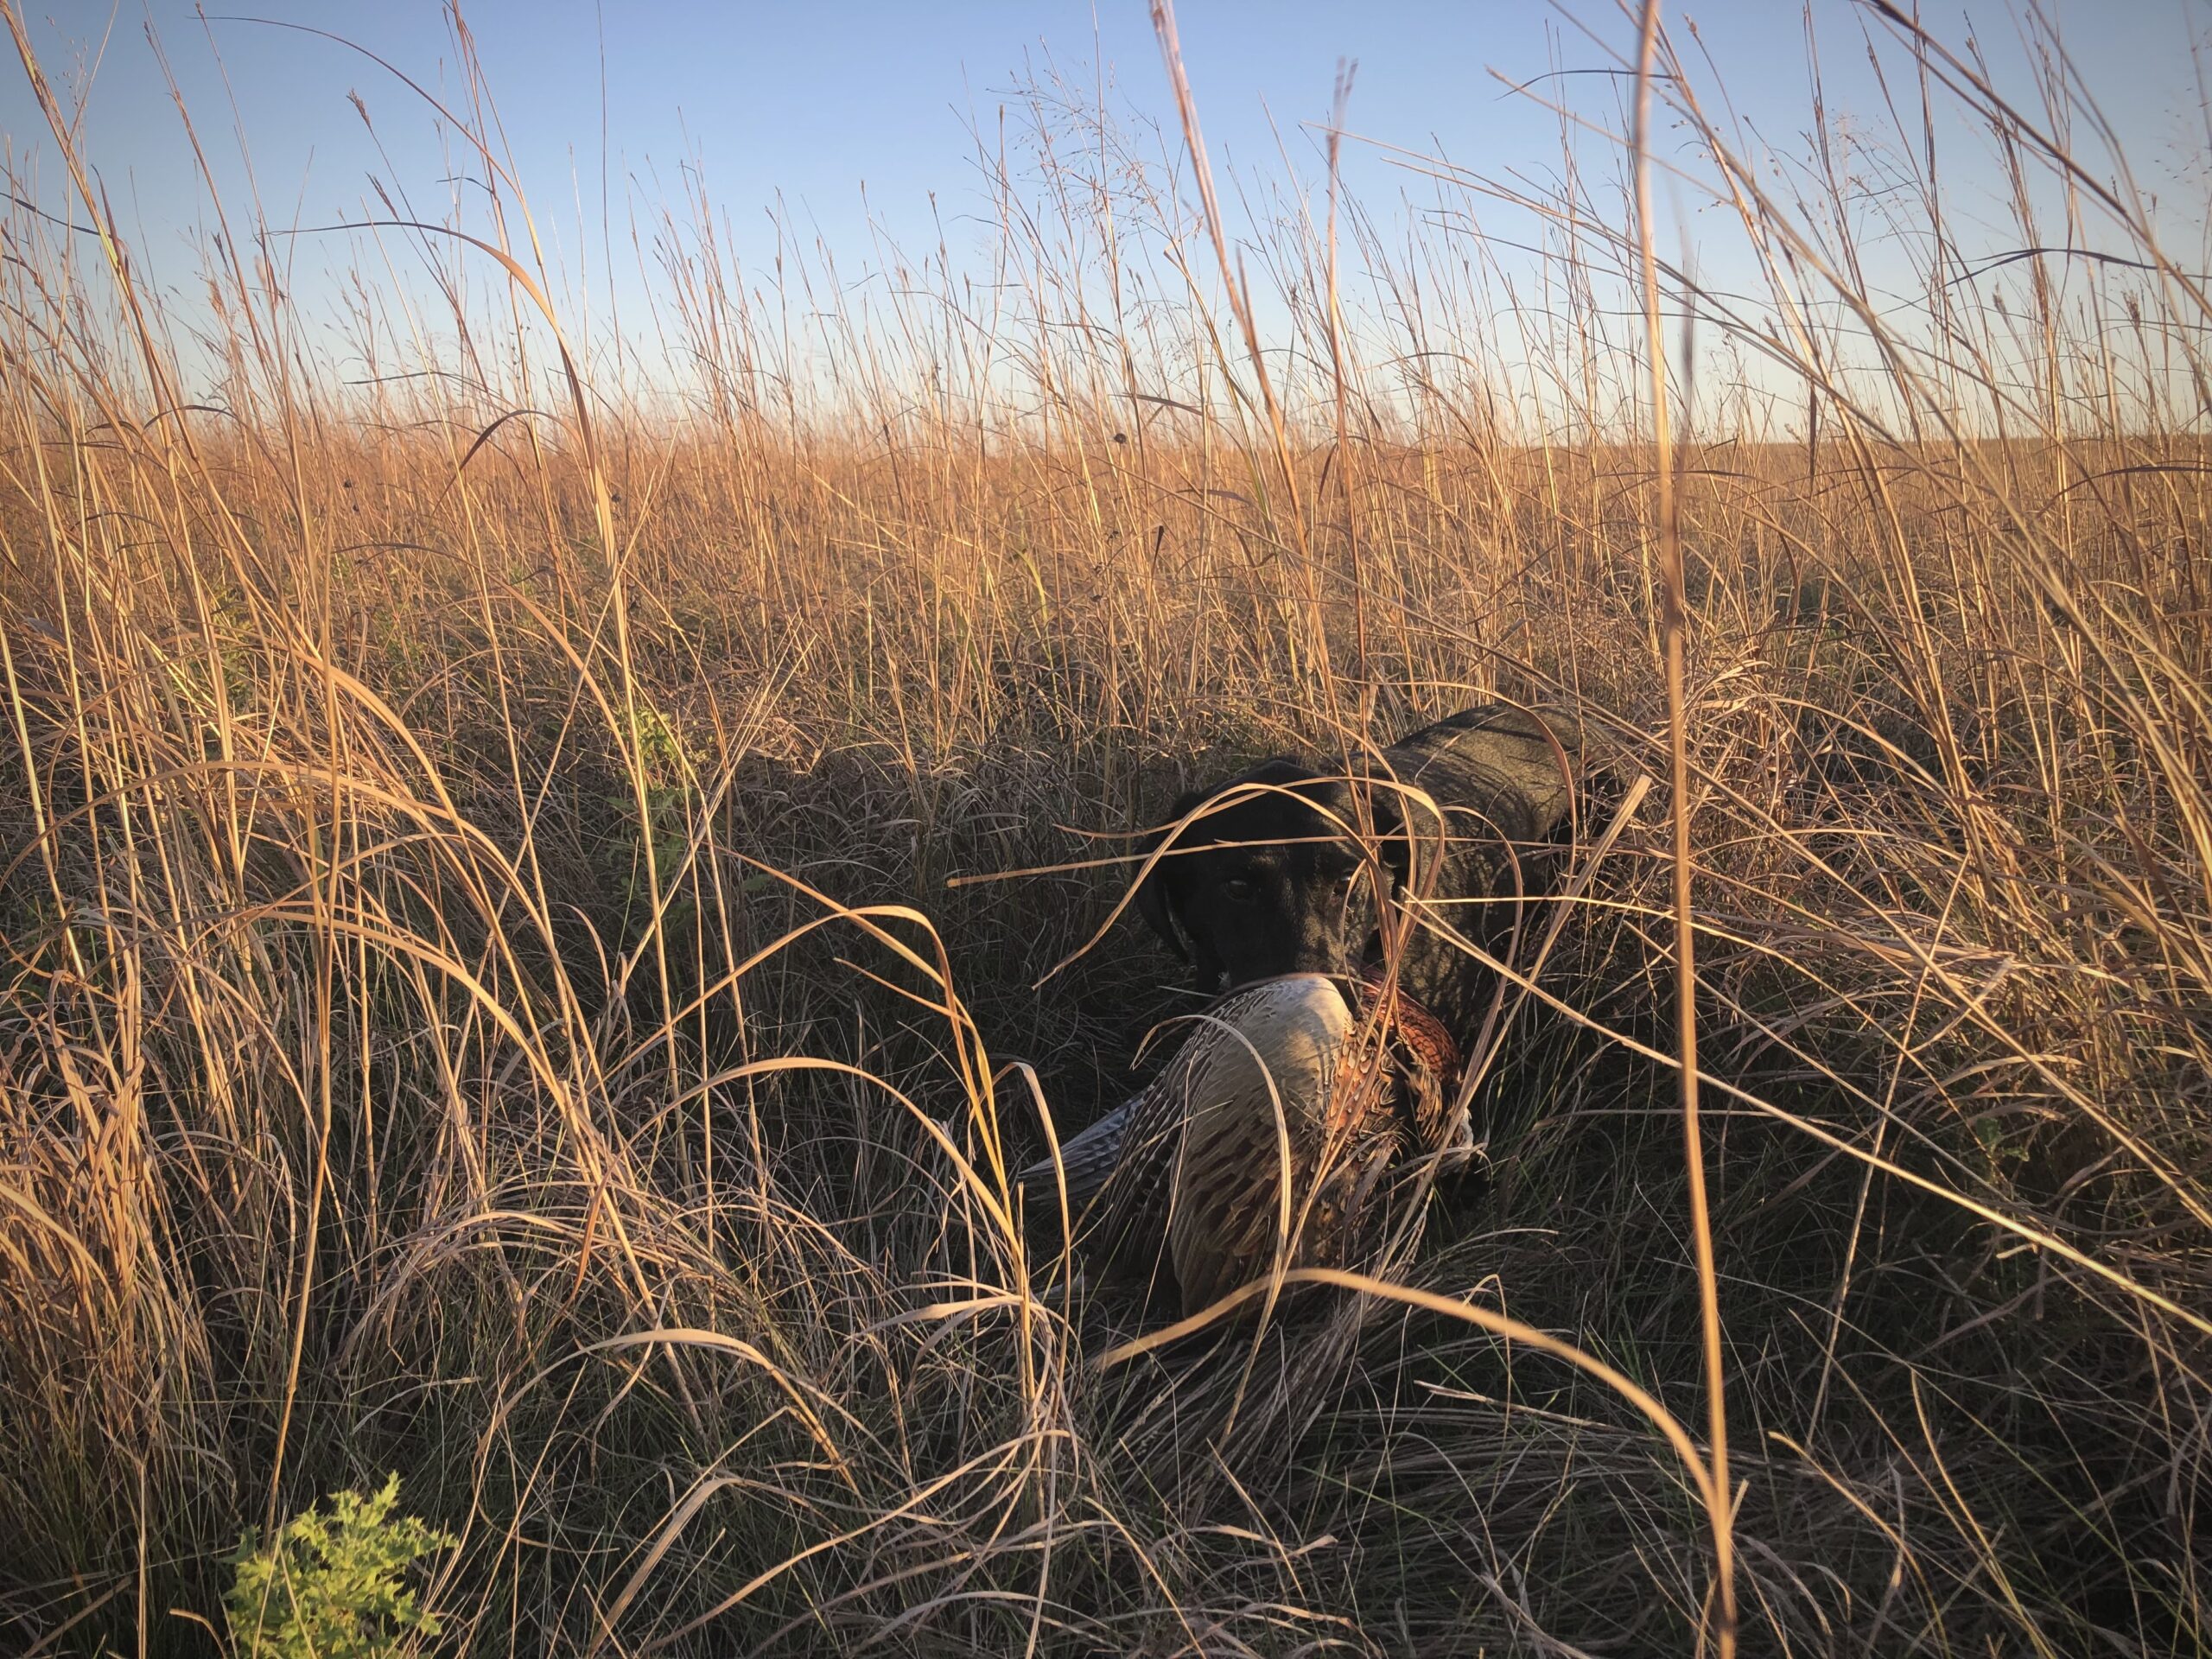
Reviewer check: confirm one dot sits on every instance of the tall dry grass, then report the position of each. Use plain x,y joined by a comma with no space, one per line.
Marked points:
486,996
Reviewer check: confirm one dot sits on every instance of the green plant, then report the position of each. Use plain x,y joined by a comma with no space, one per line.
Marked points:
667,773
332,1585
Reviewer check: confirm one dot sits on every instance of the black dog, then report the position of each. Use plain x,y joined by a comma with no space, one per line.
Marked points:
1277,877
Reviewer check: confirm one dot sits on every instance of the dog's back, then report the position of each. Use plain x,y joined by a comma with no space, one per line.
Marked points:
1500,773
1505,780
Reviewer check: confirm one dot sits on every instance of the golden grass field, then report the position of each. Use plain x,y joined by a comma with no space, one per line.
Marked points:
489,997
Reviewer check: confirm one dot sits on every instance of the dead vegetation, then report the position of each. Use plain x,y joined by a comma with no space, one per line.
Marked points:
484,1001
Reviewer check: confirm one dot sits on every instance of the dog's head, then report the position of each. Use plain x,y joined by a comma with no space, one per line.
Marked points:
1271,877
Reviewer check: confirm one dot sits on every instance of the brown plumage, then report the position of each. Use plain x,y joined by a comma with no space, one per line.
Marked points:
1285,1076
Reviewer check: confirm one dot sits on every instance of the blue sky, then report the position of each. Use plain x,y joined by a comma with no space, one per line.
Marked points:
813,101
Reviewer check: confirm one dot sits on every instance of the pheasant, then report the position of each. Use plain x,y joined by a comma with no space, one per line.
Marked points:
1283,1075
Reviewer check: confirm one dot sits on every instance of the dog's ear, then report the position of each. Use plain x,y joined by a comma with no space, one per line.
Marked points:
1389,809
1155,894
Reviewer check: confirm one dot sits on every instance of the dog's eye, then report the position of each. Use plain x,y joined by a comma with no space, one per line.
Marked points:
1240,890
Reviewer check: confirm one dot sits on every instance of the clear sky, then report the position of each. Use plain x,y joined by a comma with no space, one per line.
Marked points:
813,100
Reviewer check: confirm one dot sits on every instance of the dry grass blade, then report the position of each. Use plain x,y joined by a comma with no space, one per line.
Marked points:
1674,626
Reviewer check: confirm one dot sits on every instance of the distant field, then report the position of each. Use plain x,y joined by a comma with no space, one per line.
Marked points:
476,868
